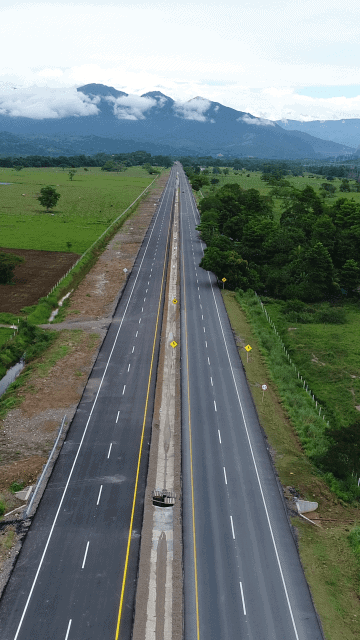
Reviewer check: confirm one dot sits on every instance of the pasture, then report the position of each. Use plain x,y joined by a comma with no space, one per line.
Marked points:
328,356
87,206
252,180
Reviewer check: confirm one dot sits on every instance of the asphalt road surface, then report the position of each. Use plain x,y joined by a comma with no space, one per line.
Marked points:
243,577
75,577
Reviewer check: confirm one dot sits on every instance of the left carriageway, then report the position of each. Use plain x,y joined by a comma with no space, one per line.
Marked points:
75,578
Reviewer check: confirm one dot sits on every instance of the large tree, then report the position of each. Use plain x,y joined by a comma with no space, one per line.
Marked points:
49,197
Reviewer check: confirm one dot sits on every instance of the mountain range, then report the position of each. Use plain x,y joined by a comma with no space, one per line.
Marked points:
120,122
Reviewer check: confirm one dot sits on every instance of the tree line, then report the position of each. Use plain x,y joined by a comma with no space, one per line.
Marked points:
135,158
310,254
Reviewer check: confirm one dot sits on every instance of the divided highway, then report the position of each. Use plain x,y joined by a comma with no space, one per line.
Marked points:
75,578
243,577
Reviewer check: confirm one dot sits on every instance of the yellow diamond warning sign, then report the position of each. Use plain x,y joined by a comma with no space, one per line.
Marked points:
248,348
174,301
223,280
173,344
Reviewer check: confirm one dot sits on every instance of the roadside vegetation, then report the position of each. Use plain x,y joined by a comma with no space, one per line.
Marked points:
330,553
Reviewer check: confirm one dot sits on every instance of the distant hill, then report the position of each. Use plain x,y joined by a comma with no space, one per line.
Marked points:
345,132
157,124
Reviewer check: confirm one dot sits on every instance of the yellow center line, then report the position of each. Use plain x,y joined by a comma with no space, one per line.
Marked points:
141,444
191,461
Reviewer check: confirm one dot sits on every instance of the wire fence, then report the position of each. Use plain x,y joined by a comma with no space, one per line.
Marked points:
99,239
300,377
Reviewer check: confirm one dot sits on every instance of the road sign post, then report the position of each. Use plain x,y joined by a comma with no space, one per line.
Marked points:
223,281
248,348
264,387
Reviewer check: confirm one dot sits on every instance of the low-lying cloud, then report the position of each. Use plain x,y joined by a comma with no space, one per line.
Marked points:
131,107
40,103
263,122
193,109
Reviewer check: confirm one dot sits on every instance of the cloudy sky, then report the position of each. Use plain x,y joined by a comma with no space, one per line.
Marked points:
285,59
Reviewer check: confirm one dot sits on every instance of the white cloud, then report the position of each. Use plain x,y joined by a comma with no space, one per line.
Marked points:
131,107
193,109
259,121
40,103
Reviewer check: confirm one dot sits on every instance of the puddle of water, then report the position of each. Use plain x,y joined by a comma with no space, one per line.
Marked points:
10,376
56,311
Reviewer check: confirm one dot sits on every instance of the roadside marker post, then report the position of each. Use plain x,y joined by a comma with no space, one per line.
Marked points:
264,387
248,348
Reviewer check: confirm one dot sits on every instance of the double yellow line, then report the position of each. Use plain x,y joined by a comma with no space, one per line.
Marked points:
142,439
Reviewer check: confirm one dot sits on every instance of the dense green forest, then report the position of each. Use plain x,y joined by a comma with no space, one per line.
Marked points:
311,253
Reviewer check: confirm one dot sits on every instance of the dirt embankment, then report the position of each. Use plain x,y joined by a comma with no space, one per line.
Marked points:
55,383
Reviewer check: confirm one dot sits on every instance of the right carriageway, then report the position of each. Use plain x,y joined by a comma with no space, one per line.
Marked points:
242,573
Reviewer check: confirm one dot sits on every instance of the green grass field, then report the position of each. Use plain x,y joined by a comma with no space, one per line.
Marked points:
328,357
254,182
87,206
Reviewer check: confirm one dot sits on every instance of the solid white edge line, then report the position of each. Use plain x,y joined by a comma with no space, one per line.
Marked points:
242,598
68,630
232,527
108,455
86,550
82,438
225,475
98,500
255,465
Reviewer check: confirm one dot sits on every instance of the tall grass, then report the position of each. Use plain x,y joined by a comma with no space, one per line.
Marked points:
299,405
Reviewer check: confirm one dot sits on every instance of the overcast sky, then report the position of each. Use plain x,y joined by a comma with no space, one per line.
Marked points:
284,59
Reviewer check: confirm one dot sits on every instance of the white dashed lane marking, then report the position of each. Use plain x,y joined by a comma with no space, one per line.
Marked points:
98,500
86,550
232,527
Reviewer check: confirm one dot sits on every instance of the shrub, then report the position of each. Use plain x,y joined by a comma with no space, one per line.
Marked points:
354,540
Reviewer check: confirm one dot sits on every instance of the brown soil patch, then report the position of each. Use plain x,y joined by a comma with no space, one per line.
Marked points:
34,278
